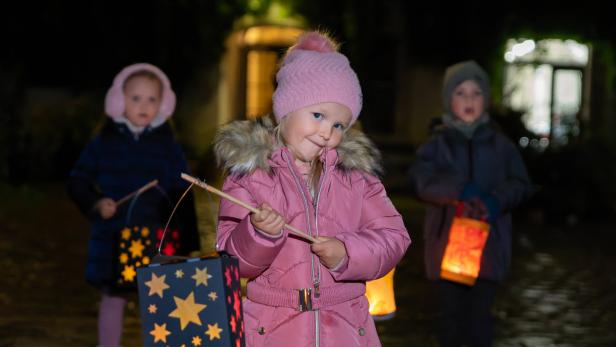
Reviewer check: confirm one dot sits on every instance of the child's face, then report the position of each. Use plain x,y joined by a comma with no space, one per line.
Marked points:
310,130
142,97
467,101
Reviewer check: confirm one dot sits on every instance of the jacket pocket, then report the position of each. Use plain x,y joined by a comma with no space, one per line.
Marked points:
254,314
350,324
261,321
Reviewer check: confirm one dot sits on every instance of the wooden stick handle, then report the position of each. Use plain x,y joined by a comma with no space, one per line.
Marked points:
239,202
138,191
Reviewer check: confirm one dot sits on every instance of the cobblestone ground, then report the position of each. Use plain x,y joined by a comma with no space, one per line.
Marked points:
561,291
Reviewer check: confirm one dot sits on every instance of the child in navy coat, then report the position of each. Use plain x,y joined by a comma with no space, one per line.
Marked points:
135,146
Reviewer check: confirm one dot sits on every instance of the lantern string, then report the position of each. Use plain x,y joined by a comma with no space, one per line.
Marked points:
129,213
134,196
153,183
162,239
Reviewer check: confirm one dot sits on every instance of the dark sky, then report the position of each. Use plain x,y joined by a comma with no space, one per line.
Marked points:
81,43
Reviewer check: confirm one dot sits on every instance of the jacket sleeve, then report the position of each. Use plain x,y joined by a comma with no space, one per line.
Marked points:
237,236
430,183
380,242
81,186
517,187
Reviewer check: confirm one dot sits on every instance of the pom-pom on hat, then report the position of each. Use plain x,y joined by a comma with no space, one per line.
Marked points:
312,72
114,101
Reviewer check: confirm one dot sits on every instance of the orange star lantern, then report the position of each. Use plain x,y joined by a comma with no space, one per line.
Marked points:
462,260
380,294
135,247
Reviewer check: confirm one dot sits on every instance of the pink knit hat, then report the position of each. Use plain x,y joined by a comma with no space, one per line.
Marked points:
114,101
313,72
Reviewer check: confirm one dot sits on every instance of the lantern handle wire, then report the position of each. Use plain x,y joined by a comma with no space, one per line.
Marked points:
160,258
241,203
139,191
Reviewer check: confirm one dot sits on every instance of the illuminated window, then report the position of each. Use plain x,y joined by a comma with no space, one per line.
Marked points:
260,69
544,80
264,46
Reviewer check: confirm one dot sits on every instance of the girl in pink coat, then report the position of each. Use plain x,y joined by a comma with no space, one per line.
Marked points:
317,174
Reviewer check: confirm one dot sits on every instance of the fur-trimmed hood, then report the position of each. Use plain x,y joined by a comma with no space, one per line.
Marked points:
241,147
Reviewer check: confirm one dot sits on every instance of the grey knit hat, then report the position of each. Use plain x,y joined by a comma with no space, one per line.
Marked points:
460,72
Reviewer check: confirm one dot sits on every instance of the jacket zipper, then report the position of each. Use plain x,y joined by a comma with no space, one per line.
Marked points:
316,223
316,282
470,159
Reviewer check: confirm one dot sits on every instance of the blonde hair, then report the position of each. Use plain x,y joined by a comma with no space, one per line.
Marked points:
316,166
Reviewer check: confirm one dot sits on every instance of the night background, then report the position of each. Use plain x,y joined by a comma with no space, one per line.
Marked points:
58,59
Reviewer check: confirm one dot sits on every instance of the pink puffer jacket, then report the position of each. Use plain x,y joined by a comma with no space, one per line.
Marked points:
350,205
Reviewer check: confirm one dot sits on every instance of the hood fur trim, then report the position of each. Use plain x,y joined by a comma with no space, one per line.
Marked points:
241,147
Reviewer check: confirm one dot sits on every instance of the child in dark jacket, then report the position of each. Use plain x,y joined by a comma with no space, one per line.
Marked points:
468,160
135,146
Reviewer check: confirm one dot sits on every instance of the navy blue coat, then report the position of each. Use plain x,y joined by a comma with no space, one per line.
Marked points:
115,164
443,165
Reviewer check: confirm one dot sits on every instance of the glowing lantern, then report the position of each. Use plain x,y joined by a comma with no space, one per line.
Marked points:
462,260
380,295
136,246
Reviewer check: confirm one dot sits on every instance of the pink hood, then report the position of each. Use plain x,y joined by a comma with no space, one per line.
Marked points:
114,100
351,205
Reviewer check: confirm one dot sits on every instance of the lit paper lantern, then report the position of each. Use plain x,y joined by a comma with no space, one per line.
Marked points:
192,302
462,259
380,294
135,247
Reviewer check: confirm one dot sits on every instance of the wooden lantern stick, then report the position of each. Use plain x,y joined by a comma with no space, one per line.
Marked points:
236,201
138,191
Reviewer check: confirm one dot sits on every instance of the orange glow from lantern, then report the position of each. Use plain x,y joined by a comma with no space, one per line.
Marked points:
380,294
462,259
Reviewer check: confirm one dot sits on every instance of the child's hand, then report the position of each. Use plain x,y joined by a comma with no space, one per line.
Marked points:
106,207
329,250
267,220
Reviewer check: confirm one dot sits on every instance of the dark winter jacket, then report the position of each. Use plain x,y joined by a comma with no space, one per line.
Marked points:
443,165
115,164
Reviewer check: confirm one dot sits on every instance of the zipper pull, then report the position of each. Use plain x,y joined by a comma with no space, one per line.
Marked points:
317,291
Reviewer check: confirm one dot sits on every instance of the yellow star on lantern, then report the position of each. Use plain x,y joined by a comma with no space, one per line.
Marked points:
196,341
129,273
145,232
160,333
213,331
157,285
187,310
152,308
201,276
136,248
146,260
179,274
126,233
213,296
123,258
